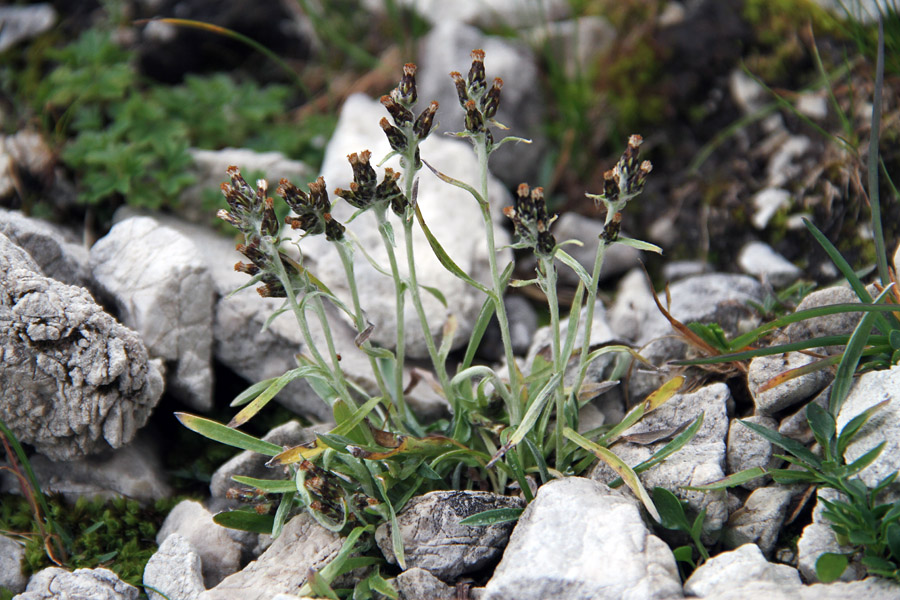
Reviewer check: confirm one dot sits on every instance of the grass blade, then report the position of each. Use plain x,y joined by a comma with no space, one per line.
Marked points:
444,258
226,435
792,446
872,167
617,465
731,481
492,517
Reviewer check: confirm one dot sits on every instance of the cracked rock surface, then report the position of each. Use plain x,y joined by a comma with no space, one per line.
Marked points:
434,540
74,381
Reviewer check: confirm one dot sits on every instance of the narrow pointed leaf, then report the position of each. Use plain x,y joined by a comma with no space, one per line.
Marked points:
731,481
251,392
492,517
639,244
249,411
226,435
443,257
245,520
852,428
269,486
792,446
617,465
677,443
573,264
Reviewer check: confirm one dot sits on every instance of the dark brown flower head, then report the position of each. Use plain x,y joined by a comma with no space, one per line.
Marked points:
248,206
309,208
334,231
531,221
396,138
247,268
269,224
363,173
388,191
460,84
611,230
474,118
401,115
626,180
492,99
425,121
476,79
407,87
271,287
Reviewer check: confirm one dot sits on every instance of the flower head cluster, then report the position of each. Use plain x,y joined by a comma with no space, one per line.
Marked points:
365,191
313,210
407,130
253,213
479,101
626,180
531,221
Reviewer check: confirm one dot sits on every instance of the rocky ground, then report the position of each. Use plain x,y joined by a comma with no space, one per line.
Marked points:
102,342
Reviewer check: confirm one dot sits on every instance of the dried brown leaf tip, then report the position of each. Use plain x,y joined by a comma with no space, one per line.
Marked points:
531,220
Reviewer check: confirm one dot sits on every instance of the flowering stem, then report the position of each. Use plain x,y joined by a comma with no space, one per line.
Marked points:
347,261
481,152
319,308
547,277
399,295
271,249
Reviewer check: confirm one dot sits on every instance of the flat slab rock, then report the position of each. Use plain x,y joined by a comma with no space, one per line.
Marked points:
580,540
74,381
434,540
82,584
303,544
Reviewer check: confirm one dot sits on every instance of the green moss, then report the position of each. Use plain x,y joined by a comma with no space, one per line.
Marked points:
118,534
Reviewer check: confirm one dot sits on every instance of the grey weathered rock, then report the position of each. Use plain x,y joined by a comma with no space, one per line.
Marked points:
452,214
580,540
796,425
682,269
73,380
767,202
303,544
447,48
12,553
133,471
732,569
175,570
760,260
419,584
760,520
162,288
791,392
434,540
818,537
523,322
209,167
884,426
219,554
873,588
748,449
700,461
51,247
19,23
253,464
54,583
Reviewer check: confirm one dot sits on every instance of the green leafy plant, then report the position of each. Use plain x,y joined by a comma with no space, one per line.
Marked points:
673,515
505,431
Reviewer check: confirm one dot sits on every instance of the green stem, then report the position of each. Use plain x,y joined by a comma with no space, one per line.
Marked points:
515,410
271,249
547,276
591,302
399,295
416,296
347,261
319,308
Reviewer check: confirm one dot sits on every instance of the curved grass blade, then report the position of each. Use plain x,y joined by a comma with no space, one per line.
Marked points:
843,379
639,244
792,446
226,435
249,411
334,568
617,465
735,479
656,399
872,166
855,424
251,392
677,443
241,38
457,183
530,418
573,264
